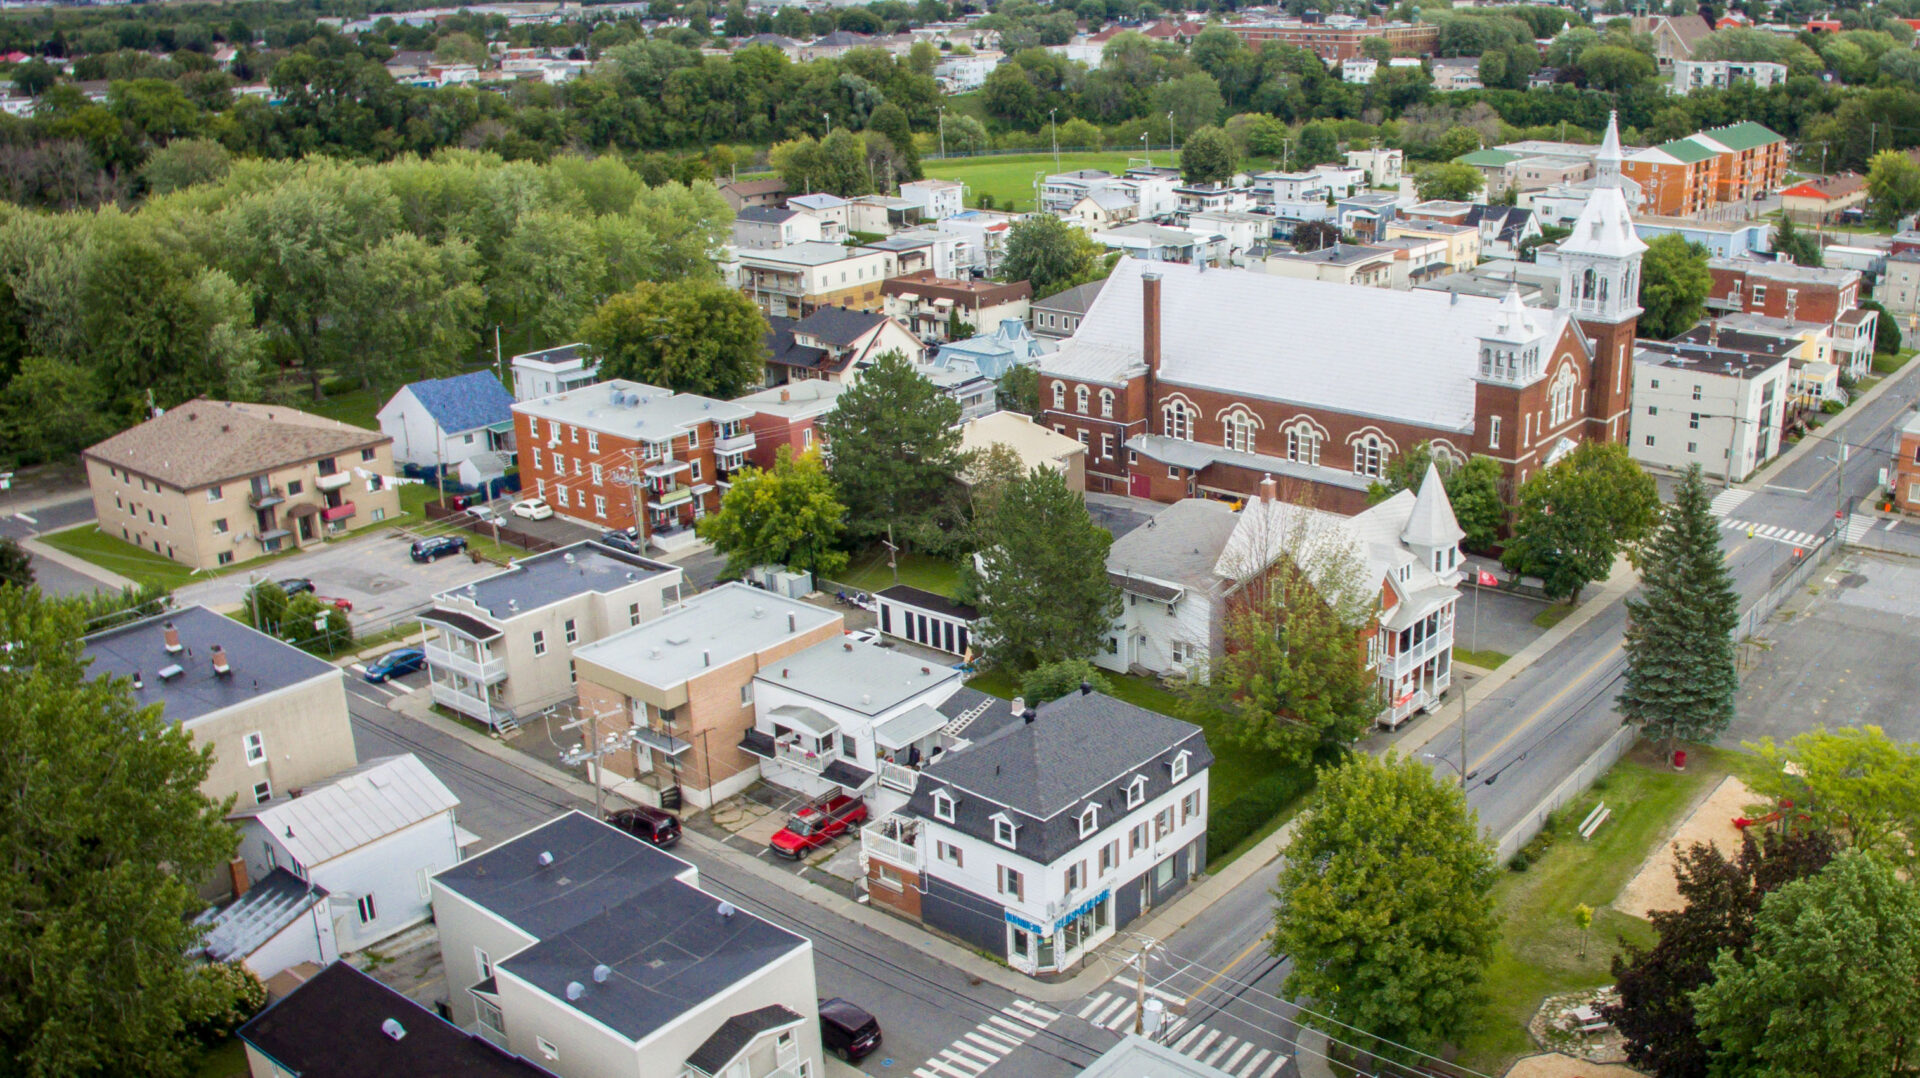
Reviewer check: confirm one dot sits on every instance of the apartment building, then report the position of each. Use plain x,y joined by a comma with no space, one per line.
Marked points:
936,198
770,228
1906,467
1718,408
1815,303
1691,75
1048,831
561,369
834,344
275,716
684,682
587,951
631,457
1339,37
501,648
796,280
1340,263
1684,177
1380,167
1462,240
1058,315
785,416
926,304
212,483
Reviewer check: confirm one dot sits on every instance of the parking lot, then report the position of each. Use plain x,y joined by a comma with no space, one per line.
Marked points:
1837,655
374,573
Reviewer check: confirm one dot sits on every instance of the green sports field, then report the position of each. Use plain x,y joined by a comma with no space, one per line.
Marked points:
1009,179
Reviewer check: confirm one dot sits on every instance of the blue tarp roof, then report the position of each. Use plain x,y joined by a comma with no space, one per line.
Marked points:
464,402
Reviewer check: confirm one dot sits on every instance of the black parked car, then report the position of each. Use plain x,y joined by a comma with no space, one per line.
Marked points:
846,1030
646,823
619,540
437,547
295,585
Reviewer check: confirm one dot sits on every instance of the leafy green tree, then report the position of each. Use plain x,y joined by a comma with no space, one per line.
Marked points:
1893,181
265,607
1721,896
789,516
1194,100
1315,235
1451,180
689,336
890,120
1576,516
183,163
52,408
1616,68
1855,782
1385,905
1042,585
896,449
1291,674
319,627
1674,283
1050,681
1886,332
16,567
1019,390
1207,157
1830,984
1681,679
1788,240
95,942
1473,488
1050,253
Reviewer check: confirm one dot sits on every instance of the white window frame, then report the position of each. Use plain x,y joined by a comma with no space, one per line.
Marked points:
1137,791
1005,831
1089,820
1059,394
1178,768
1106,404
256,749
943,805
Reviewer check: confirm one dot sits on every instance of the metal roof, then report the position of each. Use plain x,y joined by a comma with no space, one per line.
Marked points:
354,808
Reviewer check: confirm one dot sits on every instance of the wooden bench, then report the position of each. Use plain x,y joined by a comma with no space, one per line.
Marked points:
1594,819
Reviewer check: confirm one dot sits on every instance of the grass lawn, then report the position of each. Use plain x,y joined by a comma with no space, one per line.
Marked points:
1485,660
1234,767
1554,614
1009,179
228,1059
1539,950
1887,364
868,571
358,407
118,555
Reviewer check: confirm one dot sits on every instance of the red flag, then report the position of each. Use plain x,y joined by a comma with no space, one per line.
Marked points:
1486,580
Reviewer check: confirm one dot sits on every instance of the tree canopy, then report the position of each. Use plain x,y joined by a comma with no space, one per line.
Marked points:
896,451
789,516
689,336
1674,283
1472,487
1576,516
1050,253
1042,587
1854,781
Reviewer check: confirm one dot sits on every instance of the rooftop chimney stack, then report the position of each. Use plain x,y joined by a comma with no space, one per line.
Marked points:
173,639
1086,688
1269,490
1150,320
1019,705
237,871
221,666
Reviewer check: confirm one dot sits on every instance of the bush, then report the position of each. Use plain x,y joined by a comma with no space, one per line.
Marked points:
1262,800
226,995
1832,407
1050,681
1519,862
338,384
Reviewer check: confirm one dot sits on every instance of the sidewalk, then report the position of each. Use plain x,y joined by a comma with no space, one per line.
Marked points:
79,565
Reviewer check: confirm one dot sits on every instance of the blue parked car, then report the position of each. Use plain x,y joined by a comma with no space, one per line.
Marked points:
395,663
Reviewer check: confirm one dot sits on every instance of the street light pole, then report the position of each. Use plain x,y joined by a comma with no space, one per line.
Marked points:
1053,123
943,133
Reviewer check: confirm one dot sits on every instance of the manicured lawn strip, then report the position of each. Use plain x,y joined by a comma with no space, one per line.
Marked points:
1554,614
1887,364
115,554
868,571
1485,660
1235,767
1539,950
1009,178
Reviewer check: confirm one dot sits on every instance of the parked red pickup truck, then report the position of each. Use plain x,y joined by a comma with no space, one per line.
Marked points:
818,824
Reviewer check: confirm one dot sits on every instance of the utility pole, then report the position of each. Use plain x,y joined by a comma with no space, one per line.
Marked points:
893,554
1053,123
943,133
1140,983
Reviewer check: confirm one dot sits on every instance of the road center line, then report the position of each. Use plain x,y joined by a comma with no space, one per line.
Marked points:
1223,970
1501,745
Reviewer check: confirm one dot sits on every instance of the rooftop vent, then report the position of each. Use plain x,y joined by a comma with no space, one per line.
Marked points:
790,621
392,1028
220,664
545,858
1019,705
575,990
725,909
171,671
759,611
601,973
137,683
173,639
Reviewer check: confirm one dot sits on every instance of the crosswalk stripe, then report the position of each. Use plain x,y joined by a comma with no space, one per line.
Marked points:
1110,1010
1036,1016
1727,501
1174,1022
1225,1044
1098,1001
1124,1020
1017,1034
1212,1035
1253,1065
943,1064
1232,1061
1278,1062
1188,1039
955,1052
1134,986
990,1044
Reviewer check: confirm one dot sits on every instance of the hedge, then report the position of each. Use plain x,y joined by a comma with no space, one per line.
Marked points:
1263,799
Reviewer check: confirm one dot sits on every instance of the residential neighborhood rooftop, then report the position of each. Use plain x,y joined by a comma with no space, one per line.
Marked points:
1702,359
564,353
207,441
806,253
184,682
464,402
632,410
378,798
242,926
1178,545
541,579
712,628
857,675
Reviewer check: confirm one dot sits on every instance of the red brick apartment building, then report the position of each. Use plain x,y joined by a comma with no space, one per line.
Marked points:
625,455
1341,39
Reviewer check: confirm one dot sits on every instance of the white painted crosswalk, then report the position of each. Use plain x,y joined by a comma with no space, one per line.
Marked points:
1859,524
1725,502
1773,533
1237,1056
989,1042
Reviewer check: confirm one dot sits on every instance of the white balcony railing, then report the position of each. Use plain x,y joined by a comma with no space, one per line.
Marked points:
333,481
739,443
898,776
486,670
892,839
465,703
790,753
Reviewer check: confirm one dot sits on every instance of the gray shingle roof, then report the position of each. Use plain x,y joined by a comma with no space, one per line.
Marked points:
1081,749
736,1033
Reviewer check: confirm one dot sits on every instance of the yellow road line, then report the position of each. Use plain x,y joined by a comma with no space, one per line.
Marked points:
1222,972
1543,708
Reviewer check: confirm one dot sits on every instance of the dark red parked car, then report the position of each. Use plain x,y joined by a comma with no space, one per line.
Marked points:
818,824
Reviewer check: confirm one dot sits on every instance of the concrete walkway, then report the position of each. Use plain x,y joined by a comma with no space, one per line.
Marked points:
79,565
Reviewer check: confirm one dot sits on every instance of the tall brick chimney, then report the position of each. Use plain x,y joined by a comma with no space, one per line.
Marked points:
237,871
1150,322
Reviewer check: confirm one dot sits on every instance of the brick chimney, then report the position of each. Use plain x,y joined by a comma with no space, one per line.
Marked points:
237,869
173,639
1150,321
1269,490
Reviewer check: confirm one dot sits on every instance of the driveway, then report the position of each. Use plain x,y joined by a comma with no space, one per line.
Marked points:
374,573
1120,515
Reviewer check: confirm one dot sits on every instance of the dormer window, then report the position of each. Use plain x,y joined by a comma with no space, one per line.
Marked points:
1089,820
1179,766
1137,791
943,806
1003,830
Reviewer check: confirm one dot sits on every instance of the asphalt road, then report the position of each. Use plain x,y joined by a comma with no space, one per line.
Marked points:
54,579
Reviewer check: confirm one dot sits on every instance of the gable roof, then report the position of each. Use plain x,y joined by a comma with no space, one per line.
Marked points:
354,808
1180,545
1827,188
1745,135
736,1033
839,326
1073,300
331,1027
464,402
771,215
206,441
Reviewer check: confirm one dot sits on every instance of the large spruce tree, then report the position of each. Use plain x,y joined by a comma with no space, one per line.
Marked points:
1680,675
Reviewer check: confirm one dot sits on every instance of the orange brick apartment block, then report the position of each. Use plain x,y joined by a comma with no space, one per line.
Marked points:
1723,164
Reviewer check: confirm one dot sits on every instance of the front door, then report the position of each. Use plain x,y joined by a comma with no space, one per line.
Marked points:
1137,485
306,528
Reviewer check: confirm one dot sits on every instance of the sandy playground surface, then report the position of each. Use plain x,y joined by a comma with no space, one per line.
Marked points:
1653,887
1556,1065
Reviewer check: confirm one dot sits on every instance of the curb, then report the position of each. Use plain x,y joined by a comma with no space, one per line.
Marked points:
1792,456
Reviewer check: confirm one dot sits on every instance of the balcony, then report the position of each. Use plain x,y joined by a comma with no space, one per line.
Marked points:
261,497
338,513
668,495
333,480
893,839
465,703
788,752
736,443
483,667
898,776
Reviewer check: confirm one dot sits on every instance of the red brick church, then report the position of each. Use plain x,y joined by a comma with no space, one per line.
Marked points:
1184,381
